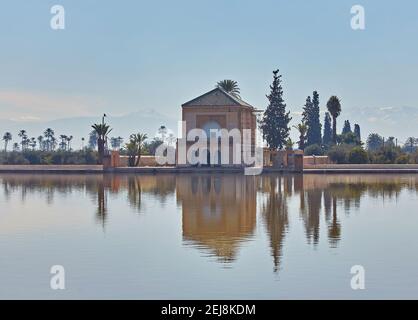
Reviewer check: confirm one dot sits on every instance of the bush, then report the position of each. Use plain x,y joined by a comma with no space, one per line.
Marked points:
385,155
314,150
358,155
402,159
54,157
414,157
338,154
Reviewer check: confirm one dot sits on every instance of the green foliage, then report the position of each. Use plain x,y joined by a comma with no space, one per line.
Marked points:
134,148
327,137
357,132
385,154
334,108
151,147
358,155
302,128
314,150
339,153
275,122
402,159
348,138
311,118
86,156
374,142
229,86
102,130
411,145
347,127
289,144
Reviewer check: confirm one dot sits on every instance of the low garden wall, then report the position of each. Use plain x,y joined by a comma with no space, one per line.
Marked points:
59,168
363,166
145,161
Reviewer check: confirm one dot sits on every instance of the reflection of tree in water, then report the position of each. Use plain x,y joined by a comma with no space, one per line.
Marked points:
219,212
310,215
101,212
159,186
334,227
275,214
134,192
46,186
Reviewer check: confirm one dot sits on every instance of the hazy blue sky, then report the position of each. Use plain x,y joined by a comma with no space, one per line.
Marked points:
124,56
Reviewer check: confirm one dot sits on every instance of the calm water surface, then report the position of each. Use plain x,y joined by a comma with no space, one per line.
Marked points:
209,236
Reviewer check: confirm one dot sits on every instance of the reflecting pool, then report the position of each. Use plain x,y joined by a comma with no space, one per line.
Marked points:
208,236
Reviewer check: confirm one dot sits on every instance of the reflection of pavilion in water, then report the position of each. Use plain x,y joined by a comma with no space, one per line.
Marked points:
219,212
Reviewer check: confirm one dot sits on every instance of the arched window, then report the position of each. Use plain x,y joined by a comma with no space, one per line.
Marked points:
212,125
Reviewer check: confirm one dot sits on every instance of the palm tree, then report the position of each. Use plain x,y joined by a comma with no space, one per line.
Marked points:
50,139
69,139
7,137
289,144
162,131
22,134
303,129
15,146
63,143
410,144
134,148
102,130
229,86
32,143
41,143
334,108
116,142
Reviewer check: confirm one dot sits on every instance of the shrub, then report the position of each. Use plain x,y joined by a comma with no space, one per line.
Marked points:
385,155
358,155
54,157
414,157
314,150
402,159
338,154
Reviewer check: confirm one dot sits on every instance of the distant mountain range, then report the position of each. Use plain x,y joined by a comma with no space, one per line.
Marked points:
141,121
400,122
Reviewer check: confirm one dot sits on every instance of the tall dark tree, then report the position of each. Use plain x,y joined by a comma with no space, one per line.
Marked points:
347,127
7,137
102,131
327,138
275,122
334,108
411,144
307,110
374,142
49,135
357,132
315,127
93,137
311,118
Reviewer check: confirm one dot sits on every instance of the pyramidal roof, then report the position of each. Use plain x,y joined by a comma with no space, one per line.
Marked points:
217,97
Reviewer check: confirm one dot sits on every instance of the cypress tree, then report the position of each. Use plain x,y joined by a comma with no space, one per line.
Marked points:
316,126
311,118
357,132
347,127
275,122
306,114
327,138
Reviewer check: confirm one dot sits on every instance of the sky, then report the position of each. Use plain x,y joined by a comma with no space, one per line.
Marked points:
125,56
